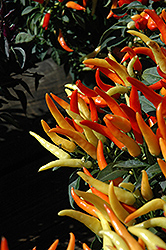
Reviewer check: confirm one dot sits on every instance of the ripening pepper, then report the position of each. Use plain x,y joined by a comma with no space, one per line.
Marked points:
46,20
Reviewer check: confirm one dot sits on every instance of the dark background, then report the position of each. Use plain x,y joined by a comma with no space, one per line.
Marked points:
30,201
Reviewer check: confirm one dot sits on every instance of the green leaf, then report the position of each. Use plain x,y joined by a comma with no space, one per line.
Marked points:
28,10
129,164
146,105
112,175
9,119
153,170
24,37
151,75
125,7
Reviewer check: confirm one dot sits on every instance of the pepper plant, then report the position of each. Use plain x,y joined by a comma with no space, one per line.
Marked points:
77,32
114,136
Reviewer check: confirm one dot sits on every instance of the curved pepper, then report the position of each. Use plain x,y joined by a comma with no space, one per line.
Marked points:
116,239
151,240
57,114
85,90
74,5
162,143
112,104
105,227
93,110
119,122
62,42
83,204
73,163
89,221
74,102
119,69
100,156
161,121
58,152
146,208
85,246
69,146
60,101
131,115
160,58
122,195
149,93
96,201
122,230
132,53
153,222
159,22
54,245
149,136
84,144
103,130
131,145
162,165
116,206
146,190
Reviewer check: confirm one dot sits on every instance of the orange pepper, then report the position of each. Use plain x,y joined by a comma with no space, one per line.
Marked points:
112,104
62,42
74,5
162,165
57,114
71,244
122,230
119,122
83,204
60,101
100,156
85,247
150,138
54,245
132,146
162,143
161,121
83,143
132,53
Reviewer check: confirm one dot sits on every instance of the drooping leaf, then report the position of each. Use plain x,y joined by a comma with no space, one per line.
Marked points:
22,98
150,75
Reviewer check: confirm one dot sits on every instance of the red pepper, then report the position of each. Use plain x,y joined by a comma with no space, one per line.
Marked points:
74,102
141,23
112,104
99,101
149,93
131,145
61,102
151,24
134,100
112,75
74,5
62,42
102,85
85,90
132,53
140,50
102,130
53,246
4,244
131,114
46,20
93,110
159,22
84,2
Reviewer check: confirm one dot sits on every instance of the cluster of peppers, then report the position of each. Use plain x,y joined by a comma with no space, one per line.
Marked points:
115,210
